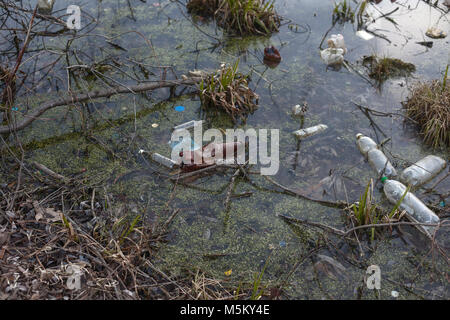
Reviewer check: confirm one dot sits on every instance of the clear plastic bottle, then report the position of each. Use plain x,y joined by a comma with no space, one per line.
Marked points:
365,144
380,163
415,209
423,171
332,56
169,163
303,133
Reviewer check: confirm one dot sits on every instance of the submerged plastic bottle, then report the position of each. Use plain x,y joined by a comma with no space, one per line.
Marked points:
365,144
415,209
169,163
423,170
380,163
303,133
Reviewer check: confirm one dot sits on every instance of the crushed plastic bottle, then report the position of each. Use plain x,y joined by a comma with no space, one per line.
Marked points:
422,171
332,56
415,209
380,163
337,41
303,133
365,144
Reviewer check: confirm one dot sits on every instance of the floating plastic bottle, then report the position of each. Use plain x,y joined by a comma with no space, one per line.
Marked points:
365,144
169,163
422,171
337,41
416,210
380,163
303,133
332,56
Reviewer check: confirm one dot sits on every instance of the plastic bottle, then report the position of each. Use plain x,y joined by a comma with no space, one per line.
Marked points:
303,133
169,163
416,210
337,41
332,56
380,163
365,144
422,171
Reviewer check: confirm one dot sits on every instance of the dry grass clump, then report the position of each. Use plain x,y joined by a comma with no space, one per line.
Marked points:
241,17
228,90
381,69
429,106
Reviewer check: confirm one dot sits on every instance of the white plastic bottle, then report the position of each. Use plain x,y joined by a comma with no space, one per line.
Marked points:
422,171
365,144
169,163
380,163
416,210
303,133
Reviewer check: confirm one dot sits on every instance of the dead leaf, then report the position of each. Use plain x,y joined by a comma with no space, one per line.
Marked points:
54,215
39,213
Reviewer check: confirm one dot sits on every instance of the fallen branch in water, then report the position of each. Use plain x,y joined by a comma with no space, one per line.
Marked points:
347,232
337,204
51,173
93,95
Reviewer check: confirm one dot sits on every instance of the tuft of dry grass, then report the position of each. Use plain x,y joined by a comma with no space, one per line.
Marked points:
381,69
242,17
429,106
228,90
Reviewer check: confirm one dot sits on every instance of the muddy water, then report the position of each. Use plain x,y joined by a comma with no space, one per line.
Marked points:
205,236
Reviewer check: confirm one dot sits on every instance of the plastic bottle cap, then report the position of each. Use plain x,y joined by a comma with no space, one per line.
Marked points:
383,179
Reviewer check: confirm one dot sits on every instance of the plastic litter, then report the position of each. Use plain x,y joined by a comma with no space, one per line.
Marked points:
380,163
415,209
363,34
299,110
303,133
179,108
365,144
422,171
169,163
272,54
337,41
188,125
332,56
45,6
435,33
